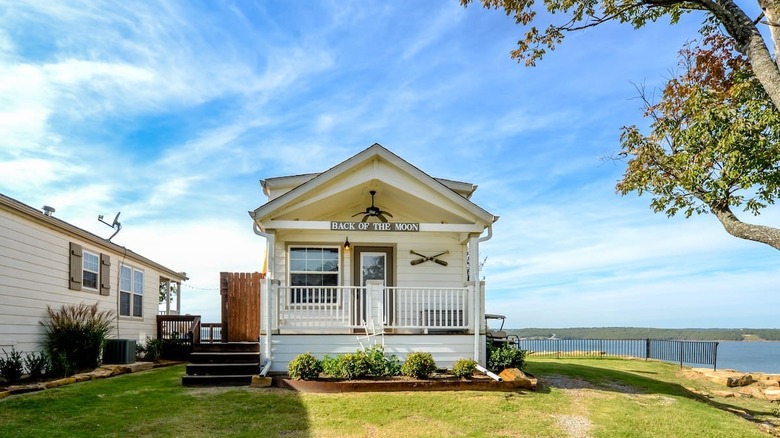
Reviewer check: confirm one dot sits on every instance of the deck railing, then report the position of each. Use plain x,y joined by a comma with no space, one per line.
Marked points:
682,352
350,307
184,327
210,332
428,308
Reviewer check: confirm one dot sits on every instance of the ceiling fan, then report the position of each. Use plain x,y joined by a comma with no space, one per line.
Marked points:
373,211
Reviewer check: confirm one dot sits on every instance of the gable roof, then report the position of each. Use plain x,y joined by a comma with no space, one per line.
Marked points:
60,225
301,186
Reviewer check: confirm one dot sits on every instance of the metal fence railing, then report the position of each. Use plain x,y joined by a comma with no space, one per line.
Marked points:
682,352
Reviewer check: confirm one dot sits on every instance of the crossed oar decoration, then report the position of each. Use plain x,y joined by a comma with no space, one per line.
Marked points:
429,259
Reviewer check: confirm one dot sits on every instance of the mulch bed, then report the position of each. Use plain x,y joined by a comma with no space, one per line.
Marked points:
394,384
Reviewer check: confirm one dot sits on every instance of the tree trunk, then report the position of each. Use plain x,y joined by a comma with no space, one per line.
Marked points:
737,228
750,41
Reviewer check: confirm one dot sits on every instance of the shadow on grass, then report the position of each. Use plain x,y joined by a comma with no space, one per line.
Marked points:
578,376
154,403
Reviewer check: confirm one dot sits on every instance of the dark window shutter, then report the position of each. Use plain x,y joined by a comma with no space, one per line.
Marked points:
76,267
105,274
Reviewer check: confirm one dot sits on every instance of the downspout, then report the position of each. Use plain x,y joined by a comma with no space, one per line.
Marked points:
477,292
269,254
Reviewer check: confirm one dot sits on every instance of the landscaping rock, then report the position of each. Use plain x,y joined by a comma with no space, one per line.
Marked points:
60,382
515,375
772,394
261,382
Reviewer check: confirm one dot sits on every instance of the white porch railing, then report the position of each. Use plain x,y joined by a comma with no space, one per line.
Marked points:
327,308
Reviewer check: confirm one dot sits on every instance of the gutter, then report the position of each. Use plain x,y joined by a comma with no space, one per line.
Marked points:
477,293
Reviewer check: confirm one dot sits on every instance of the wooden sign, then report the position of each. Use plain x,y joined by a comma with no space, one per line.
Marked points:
403,227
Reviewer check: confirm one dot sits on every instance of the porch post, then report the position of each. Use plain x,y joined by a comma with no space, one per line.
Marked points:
178,298
474,284
167,296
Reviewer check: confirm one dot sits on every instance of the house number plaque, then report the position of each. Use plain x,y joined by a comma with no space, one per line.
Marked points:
405,227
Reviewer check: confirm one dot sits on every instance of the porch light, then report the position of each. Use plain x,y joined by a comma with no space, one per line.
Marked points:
346,244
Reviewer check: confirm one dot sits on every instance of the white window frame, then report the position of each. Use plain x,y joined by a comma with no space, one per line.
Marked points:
133,288
335,298
85,270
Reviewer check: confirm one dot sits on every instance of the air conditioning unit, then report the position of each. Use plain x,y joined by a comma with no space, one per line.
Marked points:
119,351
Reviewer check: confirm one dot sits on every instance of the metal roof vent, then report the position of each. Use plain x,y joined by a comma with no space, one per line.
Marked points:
48,211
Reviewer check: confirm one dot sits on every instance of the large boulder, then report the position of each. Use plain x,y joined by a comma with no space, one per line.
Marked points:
525,381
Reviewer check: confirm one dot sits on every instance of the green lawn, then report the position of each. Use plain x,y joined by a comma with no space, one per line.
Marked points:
585,397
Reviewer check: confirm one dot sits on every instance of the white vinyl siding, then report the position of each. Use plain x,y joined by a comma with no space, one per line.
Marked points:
35,273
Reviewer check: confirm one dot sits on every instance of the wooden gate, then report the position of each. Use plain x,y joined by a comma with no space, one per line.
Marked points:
240,306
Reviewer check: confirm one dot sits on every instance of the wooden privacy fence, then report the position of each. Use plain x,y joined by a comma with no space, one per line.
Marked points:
240,294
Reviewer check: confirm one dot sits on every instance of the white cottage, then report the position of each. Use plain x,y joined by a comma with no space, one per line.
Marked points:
373,250
45,261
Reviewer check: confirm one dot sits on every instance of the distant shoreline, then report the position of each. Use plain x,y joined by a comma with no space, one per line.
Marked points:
685,334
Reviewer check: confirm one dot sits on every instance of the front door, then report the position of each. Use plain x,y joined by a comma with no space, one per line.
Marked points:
374,263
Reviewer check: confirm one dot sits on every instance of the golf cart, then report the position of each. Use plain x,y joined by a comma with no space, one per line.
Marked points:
496,336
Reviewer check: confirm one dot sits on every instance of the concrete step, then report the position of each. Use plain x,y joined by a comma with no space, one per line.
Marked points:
218,369
217,380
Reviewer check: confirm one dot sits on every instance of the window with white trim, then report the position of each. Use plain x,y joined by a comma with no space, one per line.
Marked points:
131,291
90,270
312,269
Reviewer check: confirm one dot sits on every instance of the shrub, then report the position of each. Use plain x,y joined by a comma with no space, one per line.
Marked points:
370,363
464,368
11,368
304,367
153,349
381,365
418,364
506,357
36,364
175,348
74,336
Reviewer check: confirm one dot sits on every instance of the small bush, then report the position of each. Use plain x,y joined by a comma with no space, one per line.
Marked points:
304,367
175,348
506,357
59,366
11,368
380,364
370,363
418,364
153,349
74,336
36,364
464,368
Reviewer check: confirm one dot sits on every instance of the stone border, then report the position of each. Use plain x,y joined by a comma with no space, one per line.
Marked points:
101,372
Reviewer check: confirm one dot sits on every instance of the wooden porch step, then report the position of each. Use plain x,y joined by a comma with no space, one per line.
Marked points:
223,364
227,347
218,380
221,369
225,357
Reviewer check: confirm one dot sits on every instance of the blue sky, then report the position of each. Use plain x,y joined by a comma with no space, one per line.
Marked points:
172,112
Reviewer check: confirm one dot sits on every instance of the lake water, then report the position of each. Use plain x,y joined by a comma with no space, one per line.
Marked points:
749,356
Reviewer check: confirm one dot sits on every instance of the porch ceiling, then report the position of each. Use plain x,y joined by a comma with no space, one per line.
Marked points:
341,192
342,205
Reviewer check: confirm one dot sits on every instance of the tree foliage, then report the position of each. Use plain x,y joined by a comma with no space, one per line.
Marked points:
581,14
714,142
